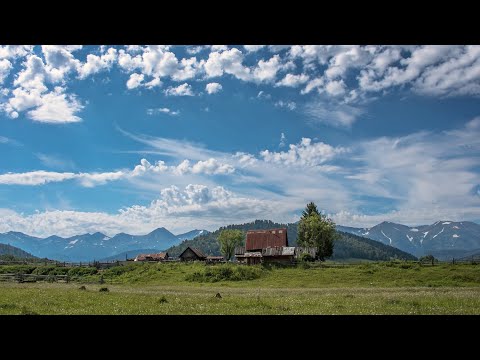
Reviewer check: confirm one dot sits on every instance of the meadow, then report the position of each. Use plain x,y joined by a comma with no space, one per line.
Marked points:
196,288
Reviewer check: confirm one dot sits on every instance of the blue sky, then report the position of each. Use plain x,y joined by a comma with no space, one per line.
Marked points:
131,138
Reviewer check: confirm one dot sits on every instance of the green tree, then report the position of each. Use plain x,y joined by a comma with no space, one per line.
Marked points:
310,210
316,230
228,240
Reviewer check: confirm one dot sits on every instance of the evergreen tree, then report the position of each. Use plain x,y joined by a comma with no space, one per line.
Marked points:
316,230
310,210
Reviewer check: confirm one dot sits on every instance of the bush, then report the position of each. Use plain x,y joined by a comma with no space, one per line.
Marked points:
104,289
307,257
225,273
82,271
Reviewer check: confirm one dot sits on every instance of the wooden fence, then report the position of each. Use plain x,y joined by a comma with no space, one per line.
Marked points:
22,278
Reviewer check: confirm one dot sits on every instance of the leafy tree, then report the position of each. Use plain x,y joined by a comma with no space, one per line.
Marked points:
428,258
310,210
228,240
316,230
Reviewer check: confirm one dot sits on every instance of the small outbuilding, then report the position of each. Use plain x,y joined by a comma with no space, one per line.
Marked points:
152,257
192,254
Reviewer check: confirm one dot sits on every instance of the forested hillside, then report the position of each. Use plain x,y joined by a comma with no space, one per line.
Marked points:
347,246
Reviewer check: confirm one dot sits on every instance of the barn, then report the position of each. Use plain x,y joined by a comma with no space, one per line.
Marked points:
266,246
192,254
262,239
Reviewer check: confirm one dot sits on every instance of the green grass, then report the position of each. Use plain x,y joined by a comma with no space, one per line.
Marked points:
372,288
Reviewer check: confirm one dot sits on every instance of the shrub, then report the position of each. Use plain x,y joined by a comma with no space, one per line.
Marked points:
225,273
82,271
307,257
104,289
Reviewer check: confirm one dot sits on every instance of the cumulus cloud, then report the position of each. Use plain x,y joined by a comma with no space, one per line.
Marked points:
266,71
57,107
304,153
181,90
253,48
291,80
177,209
213,88
134,81
210,166
5,67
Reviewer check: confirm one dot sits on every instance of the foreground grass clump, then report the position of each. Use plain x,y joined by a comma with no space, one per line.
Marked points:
225,272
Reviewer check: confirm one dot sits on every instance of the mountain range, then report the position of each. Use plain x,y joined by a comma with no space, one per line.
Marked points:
442,239
87,247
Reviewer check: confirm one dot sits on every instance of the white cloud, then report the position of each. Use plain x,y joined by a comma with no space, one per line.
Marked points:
177,209
304,153
253,48
96,63
14,51
263,95
313,84
219,47
282,140
181,90
162,110
134,81
229,62
266,71
331,113
57,107
212,166
291,80
34,178
213,88
193,50
290,105
5,67
335,88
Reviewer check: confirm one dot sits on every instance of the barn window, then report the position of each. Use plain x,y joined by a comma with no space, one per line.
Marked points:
273,232
280,231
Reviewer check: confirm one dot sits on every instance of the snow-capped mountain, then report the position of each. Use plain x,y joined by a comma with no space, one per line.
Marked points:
87,247
445,239
192,234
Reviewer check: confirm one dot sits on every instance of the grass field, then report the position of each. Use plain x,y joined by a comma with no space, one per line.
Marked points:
374,288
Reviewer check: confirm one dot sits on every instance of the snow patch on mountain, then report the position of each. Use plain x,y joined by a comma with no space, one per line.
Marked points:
410,238
434,236
387,237
447,223
414,230
73,242
455,236
456,227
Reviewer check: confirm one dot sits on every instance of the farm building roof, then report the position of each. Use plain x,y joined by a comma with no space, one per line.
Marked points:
152,257
261,239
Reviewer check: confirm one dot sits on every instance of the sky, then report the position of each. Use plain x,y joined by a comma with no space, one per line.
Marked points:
132,138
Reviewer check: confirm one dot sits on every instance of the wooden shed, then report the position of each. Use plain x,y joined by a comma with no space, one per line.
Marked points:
192,254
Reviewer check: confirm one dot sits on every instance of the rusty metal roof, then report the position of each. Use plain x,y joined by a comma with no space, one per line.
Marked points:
151,257
261,239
